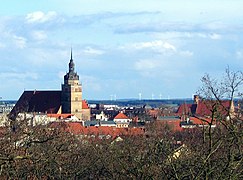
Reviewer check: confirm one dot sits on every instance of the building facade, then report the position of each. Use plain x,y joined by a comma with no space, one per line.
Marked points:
72,92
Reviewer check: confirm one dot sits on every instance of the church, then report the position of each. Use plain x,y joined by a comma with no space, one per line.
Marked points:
66,101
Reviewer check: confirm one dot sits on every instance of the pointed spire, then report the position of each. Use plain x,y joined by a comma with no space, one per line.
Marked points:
71,74
71,63
71,53
232,109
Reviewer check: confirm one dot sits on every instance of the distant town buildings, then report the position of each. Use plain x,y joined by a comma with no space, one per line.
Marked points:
122,121
67,106
6,108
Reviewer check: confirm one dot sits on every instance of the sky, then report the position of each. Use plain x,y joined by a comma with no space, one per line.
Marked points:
121,48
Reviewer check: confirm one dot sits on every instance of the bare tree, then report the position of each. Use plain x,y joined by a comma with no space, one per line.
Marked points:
224,144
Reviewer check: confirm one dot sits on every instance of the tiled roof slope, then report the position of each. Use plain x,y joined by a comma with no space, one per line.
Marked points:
77,129
85,104
38,101
204,108
121,116
187,109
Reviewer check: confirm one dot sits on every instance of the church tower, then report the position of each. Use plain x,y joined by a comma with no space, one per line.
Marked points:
72,92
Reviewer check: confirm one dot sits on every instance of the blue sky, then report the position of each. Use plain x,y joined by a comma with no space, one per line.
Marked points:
121,48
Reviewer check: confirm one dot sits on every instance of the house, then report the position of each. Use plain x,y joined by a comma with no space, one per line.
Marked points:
34,119
121,120
193,122
205,112
101,117
86,112
204,108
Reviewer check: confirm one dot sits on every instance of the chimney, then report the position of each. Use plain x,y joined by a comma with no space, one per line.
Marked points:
196,99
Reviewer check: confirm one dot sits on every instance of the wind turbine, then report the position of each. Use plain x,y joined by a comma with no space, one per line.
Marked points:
140,96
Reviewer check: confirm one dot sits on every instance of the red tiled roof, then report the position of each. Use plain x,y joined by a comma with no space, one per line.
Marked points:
200,121
77,128
121,116
38,101
185,109
85,104
204,108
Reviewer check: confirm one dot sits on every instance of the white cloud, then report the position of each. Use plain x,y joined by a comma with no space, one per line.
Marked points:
148,67
215,36
158,68
159,46
146,64
156,45
91,83
40,17
188,35
20,42
92,51
39,35
214,26
239,54
2,45
201,35
167,45
19,76
61,74
186,53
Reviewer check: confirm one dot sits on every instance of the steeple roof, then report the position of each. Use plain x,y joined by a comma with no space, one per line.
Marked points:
71,63
71,53
71,75
121,116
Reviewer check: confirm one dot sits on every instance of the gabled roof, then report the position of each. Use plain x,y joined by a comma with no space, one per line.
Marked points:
121,116
38,101
204,108
187,109
200,121
85,104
